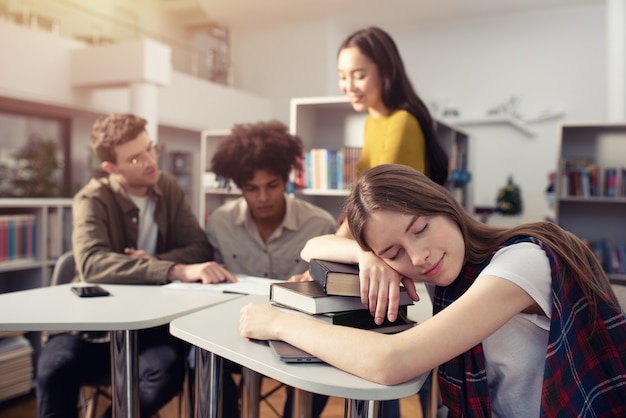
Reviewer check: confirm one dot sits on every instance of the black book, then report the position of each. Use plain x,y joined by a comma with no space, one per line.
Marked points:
364,320
336,278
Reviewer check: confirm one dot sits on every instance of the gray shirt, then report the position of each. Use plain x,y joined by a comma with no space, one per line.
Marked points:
239,246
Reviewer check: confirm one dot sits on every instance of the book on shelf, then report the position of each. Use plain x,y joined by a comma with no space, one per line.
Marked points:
459,176
580,178
336,278
612,257
17,237
617,257
309,297
16,367
329,169
614,182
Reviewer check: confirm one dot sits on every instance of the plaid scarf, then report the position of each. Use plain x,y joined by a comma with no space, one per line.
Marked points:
585,369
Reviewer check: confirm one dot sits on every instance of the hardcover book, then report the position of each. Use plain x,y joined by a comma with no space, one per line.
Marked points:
309,297
336,278
363,319
360,318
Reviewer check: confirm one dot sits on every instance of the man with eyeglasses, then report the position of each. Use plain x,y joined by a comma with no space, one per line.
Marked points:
132,226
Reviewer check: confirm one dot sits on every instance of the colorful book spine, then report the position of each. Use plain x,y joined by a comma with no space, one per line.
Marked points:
17,237
329,169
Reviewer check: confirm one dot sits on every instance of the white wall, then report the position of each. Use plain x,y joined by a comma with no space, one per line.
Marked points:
283,62
550,59
554,58
35,77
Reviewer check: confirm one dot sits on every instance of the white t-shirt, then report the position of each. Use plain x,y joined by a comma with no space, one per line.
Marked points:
148,228
515,354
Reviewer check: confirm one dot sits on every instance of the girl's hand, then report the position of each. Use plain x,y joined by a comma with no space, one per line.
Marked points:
380,287
257,321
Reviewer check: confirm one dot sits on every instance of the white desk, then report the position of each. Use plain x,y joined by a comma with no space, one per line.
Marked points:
128,309
224,341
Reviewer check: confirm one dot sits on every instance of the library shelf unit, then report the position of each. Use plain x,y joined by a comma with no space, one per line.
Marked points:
51,237
587,211
33,259
211,196
331,123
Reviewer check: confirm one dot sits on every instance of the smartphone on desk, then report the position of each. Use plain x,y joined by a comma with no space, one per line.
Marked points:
90,291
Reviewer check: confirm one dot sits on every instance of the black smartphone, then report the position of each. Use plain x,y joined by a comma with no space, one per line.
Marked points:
90,291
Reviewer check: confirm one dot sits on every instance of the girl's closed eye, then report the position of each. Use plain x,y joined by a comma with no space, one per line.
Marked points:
420,227
395,255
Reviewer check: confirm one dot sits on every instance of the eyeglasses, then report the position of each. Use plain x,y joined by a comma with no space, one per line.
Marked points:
145,157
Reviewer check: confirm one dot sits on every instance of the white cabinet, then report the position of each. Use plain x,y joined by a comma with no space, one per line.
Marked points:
51,236
331,123
585,203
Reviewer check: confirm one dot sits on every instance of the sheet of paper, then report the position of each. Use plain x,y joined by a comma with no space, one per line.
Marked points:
247,285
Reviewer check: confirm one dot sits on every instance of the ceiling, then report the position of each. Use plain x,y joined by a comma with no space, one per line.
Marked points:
266,13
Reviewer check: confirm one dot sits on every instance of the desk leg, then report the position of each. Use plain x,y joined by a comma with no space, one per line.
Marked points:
250,395
125,397
362,409
208,384
302,403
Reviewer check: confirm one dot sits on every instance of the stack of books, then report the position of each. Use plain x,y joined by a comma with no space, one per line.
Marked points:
334,297
16,366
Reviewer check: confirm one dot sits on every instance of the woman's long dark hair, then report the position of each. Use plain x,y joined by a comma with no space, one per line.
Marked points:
398,93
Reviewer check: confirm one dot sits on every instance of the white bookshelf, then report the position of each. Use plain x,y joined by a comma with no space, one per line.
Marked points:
211,197
52,238
592,216
331,122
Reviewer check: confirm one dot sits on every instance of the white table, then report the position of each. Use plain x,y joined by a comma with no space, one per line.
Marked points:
216,342
128,309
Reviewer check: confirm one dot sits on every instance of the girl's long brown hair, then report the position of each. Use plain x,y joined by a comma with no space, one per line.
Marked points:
403,189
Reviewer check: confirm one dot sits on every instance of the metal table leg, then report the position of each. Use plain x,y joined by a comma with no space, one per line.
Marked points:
124,384
302,403
362,409
250,396
208,384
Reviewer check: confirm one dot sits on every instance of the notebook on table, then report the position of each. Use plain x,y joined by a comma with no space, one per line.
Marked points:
290,354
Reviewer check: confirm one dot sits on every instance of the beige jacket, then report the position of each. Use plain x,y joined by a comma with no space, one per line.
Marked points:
105,222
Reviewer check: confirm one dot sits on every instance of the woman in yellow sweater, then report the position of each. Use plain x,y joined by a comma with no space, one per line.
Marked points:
399,128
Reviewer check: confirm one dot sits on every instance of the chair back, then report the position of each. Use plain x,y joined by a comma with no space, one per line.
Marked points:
64,269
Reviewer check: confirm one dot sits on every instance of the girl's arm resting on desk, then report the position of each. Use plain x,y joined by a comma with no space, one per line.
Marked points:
380,284
393,359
